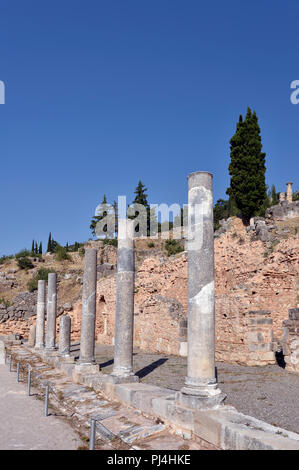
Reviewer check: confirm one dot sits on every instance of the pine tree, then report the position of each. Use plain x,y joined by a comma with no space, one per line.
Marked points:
98,218
141,198
40,250
49,247
247,167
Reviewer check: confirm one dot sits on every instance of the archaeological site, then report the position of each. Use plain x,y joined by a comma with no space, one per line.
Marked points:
152,351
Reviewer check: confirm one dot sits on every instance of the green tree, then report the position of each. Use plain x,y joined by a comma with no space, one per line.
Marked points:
40,250
141,198
104,210
49,247
247,167
32,246
274,196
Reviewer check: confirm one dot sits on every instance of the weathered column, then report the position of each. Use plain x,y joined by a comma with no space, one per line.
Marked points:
32,335
282,197
88,320
51,312
124,316
40,315
289,192
200,388
64,335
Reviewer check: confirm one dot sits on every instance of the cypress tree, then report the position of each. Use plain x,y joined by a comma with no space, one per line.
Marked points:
141,198
40,250
247,167
32,247
49,247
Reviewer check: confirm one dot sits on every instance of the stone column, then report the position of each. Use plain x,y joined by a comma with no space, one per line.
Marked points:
40,315
88,320
51,312
65,335
32,335
282,197
289,192
124,316
201,390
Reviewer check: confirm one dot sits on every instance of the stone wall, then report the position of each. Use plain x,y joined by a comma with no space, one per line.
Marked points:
290,341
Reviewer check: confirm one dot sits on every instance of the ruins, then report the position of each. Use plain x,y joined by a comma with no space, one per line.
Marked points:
199,407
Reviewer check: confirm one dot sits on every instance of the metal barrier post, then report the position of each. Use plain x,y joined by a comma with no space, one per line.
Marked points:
18,372
46,400
92,434
29,382
10,363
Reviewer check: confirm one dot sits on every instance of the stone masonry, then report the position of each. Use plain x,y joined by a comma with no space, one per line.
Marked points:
290,341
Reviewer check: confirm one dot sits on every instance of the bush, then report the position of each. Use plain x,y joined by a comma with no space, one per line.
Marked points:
25,263
5,258
23,254
5,302
41,275
62,254
151,244
110,241
173,247
81,251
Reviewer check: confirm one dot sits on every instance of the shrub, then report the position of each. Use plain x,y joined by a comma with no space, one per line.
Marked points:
151,244
62,254
173,247
5,258
41,275
5,302
81,251
25,263
110,241
23,254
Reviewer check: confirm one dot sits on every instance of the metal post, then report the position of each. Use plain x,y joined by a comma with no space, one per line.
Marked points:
92,434
10,363
46,400
29,382
5,355
18,372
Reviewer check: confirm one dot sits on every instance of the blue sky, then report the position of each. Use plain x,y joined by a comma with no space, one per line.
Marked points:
101,94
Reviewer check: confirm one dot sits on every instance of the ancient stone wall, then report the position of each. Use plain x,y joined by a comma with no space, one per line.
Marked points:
290,341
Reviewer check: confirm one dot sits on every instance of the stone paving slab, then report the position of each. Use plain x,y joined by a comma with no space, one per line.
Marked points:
119,427
23,425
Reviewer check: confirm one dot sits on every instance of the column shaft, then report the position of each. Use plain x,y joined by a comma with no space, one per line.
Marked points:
40,315
201,375
87,345
51,312
65,335
124,317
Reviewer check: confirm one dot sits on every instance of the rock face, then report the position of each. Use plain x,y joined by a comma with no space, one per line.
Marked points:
283,211
24,307
250,276
290,341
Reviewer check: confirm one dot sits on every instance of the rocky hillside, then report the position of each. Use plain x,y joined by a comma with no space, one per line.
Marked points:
256,268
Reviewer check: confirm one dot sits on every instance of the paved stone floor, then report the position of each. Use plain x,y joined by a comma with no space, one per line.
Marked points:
268,393
119,427
23,425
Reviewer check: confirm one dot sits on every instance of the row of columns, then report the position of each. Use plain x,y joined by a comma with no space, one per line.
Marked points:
200,389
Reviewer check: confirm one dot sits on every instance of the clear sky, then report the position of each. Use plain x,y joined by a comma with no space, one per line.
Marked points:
100,94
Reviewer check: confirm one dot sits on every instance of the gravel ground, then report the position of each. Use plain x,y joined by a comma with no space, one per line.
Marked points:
268,393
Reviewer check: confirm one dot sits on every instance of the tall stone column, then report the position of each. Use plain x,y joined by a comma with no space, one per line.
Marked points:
201,390
87,344
65,335
289,193
124,316
51,312
40,315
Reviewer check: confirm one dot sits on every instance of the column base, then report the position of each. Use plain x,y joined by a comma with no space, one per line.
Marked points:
121,379
203,397
39,346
